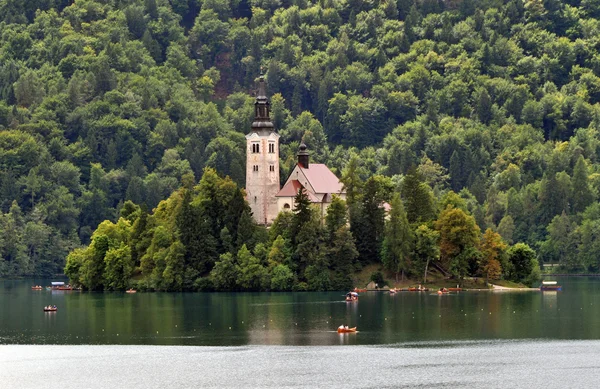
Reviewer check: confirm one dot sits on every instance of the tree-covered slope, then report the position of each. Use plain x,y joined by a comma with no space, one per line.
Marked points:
107,101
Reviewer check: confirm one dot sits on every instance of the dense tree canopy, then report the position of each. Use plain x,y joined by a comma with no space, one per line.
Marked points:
107,101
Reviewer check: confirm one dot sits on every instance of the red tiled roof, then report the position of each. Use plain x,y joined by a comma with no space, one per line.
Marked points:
322,179
291,189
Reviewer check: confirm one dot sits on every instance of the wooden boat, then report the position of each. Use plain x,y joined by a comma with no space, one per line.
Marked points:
345,330
360,290
59,285
393,291
550,286
455,289
50,309
131,291
36,287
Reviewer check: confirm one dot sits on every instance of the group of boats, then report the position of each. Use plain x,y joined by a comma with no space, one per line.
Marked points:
56,285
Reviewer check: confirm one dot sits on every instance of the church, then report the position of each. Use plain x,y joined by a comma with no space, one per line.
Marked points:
264,194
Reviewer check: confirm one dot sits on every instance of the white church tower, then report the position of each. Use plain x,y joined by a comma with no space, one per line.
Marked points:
262,161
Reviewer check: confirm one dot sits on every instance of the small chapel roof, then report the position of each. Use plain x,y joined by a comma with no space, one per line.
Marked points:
291,189
322,179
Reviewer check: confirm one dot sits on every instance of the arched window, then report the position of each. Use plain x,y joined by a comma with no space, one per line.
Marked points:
271,147
286,206
255,148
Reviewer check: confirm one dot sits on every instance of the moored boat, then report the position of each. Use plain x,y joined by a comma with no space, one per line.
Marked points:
345,329
36,287
59,285
131,291
550,286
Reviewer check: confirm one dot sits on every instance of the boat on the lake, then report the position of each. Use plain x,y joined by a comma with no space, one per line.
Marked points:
443,291
50,308
357,290
36,287
550,286
345,329
351,296
59,285
131,291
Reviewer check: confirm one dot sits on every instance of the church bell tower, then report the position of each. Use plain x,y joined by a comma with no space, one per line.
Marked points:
262,161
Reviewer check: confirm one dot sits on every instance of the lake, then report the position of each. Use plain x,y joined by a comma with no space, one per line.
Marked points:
508,339
239,319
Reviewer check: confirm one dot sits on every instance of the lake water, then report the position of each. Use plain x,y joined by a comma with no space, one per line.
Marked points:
228,319
509,339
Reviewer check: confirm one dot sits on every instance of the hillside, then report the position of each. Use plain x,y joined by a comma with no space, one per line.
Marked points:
107,101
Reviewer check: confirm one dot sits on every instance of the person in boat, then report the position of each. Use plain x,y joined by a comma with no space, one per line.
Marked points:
341,327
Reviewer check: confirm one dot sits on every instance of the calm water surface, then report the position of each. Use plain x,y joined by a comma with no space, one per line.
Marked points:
480,364
227,319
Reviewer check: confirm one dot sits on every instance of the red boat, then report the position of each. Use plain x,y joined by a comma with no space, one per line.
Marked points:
345,329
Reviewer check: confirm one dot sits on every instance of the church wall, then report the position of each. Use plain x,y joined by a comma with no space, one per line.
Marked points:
262,181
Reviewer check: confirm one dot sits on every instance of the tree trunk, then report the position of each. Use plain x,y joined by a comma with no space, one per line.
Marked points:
425,276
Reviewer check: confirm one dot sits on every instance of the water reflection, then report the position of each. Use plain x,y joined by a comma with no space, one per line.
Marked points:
294,318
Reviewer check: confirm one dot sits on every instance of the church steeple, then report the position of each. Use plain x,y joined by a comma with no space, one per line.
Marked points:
262,108
262,160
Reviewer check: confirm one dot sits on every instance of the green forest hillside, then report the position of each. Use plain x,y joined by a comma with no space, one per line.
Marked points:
113,100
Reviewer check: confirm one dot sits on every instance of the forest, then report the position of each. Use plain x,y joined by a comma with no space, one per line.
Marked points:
112,112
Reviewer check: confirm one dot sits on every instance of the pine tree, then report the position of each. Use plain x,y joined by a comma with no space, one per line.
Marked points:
302,213
418,199
582,192
399,240
336,216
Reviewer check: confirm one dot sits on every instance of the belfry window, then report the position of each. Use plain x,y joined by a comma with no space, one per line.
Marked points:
272,168
255,148
271,147
255,168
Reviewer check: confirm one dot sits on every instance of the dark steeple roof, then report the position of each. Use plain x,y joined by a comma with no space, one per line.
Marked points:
262,109
303,156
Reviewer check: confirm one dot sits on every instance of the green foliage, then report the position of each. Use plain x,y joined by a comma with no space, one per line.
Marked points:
399,239
524,264
500,98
